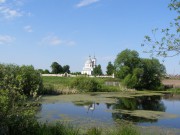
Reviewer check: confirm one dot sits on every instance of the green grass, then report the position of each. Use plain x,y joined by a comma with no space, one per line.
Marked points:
174,90
28,127
57,85
65,81
63,85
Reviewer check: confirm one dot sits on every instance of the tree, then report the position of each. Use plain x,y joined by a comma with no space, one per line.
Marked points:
144,74
128,58
97,70
66,69
110,68
46,71
169,43
56,68
41,71
152,73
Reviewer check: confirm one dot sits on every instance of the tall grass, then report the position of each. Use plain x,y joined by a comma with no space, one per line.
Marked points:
29,127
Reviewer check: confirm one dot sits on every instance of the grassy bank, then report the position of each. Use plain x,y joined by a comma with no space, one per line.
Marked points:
64,85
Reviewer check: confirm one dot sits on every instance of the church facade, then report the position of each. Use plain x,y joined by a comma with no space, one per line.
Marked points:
89,65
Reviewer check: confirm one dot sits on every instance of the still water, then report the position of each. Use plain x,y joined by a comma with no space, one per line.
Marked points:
163,111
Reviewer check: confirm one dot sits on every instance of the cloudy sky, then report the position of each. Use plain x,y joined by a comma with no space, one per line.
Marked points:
39,32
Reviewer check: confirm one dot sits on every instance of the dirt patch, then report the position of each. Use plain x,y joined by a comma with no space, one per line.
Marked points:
171,82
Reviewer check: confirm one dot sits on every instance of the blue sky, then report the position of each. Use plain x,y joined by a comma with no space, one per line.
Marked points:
39,32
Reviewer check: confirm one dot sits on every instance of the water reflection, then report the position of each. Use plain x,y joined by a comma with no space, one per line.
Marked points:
89,106
151,103
123,108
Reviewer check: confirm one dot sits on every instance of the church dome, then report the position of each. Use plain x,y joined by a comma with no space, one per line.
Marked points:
89,61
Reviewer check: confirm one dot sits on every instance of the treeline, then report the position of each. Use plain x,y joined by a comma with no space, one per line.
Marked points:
56,68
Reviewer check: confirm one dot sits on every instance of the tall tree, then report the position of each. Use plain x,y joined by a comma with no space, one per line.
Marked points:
97,70
128,58
168,45
66,69
140,73
110,68
56,68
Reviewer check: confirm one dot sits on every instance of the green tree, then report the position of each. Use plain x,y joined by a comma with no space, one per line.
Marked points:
168,45
153,72
97,70
110,68
41,71
128,58
56,68
46,71
66,69
140,73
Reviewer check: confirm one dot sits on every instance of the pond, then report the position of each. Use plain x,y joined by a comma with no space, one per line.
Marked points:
108,109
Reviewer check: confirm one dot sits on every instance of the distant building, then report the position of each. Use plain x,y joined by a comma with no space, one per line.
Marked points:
90,64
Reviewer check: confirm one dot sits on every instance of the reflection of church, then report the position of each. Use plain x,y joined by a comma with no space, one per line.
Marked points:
89,66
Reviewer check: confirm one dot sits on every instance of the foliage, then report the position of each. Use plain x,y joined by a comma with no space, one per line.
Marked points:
97,70
76,73
126,58
66,69
86,84
30,81
56,68
49,89
46,71
152,72
110,68
16,84
15,112
137,72
55,85
169,43
25,79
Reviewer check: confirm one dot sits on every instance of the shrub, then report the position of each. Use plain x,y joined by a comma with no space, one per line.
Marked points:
15,112
24,79
85,84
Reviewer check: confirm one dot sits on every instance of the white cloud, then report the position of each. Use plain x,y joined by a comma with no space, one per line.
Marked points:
2,1
28,28
51,40
70,43
83,3
6,39
9,13
11,9
54,40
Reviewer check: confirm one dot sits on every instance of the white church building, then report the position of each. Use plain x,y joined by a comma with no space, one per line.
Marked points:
90,64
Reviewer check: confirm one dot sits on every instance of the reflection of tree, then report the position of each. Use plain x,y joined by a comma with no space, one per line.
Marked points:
152,103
